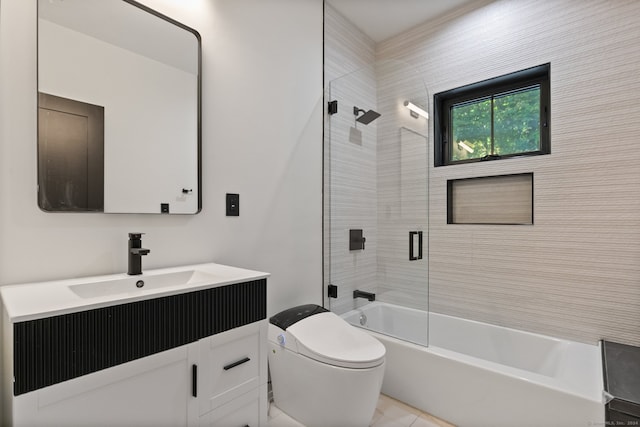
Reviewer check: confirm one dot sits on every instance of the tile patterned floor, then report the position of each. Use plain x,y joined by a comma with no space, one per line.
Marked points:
389,413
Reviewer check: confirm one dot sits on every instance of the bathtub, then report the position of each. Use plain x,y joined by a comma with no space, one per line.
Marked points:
476,374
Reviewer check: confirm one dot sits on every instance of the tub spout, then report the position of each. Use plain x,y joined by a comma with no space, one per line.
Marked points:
362,294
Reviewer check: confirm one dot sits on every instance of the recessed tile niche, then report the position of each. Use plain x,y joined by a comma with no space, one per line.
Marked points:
502,199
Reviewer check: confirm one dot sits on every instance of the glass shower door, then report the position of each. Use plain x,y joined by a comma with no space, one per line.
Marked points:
376,201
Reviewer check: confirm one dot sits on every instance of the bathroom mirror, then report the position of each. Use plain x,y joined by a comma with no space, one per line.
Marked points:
119,127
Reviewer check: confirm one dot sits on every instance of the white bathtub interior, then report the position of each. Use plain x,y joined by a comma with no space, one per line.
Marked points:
530,352
499,375
400,322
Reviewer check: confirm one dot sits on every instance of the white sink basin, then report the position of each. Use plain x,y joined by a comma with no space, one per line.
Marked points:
29,301
142,283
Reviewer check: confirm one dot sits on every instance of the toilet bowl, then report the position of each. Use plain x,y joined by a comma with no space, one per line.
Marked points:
324,372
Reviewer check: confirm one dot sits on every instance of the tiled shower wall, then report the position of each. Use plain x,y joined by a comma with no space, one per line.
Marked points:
575,273
349,161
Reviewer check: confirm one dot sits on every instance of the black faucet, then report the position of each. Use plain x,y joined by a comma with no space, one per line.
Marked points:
362,294
136,251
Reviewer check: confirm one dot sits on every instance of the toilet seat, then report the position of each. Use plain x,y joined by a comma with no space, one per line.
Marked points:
329,339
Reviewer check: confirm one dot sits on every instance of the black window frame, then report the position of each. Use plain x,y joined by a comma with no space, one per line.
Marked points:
512,82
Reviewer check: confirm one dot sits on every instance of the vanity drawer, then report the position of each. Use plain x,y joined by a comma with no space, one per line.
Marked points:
247,410
232,363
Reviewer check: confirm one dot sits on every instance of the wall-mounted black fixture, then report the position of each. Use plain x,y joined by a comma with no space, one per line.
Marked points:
412,242
164,207
332,107
233,204
367,117
362,294
332,291
356,241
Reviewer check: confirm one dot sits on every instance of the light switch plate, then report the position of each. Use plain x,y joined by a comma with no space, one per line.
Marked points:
233,204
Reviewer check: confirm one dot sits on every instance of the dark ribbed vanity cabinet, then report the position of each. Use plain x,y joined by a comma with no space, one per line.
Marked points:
194,358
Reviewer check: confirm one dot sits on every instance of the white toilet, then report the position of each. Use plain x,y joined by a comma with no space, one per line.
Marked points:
324,372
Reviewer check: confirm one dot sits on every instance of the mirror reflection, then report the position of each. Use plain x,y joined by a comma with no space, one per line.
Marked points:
118,109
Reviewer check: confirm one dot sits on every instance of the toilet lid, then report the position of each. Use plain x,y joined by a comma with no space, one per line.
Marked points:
328,338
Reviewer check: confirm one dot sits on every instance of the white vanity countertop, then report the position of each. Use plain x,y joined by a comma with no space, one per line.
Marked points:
31,301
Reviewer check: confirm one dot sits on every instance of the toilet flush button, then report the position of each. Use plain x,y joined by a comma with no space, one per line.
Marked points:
281,339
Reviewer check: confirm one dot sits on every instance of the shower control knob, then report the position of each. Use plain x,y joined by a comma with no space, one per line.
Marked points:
281,339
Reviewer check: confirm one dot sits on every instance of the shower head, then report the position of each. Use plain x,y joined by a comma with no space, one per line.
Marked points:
367,117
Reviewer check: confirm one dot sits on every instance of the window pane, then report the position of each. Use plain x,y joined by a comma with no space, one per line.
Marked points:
517,122
471,130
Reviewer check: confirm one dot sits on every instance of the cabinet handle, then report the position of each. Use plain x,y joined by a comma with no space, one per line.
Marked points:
234,364
194,380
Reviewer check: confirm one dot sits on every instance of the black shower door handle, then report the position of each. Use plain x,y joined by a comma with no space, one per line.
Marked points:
412,255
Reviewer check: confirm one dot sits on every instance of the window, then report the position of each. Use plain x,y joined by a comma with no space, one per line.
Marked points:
498,118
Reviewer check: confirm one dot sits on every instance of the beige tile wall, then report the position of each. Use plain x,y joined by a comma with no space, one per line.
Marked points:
576,272
349,161
402,185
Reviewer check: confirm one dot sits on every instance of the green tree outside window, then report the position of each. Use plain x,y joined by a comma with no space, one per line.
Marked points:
499,125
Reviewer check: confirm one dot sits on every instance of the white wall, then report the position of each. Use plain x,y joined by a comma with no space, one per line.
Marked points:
262,138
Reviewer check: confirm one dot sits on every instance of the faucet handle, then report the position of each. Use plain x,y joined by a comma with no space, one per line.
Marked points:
135,235
140,251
